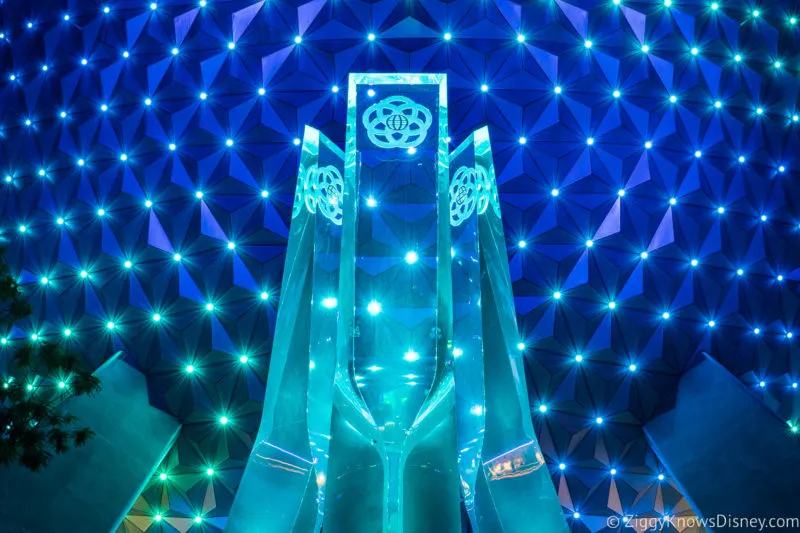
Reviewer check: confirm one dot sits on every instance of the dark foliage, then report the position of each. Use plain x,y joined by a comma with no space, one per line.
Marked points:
38,376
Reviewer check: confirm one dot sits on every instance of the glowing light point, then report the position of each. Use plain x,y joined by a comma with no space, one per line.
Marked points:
199,519
589,243
695,51
522,244
45,281
296,141
110,325
148,101
740,272
411,356
104,108
265,296
243,359
590,141
756,13
158,518
231,45
484,88
210,472
298,39
543,408
371,37
720,210
520,38
412,150
448,36
22,229
613,471
673,99
523,140
714,6
162,477
781,168
411,257
209,307
616,94
777,64
737,58
644,255
661,477
189,369
101,212
759,111
203,96
554,193
757,331
667,3
612,305
648,145
60,221
84,274
587,44
231,245
177,257
694,262
665,315
645,48
335,88
557,89
717,104
599,420
557,295
172,147
763,218
779,278
711,323
198,194
175,51
262,91
521,346
228,142
374,308
81,162
371,201
632,367
223,420
698,154
330,302
621,192
562,466
153,6
458,352
579,358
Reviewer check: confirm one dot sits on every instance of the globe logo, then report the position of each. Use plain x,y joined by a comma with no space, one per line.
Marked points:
397,122
469,192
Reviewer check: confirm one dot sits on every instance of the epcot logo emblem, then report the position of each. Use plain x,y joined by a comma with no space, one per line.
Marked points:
397,122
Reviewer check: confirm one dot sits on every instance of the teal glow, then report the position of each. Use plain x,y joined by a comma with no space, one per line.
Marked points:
395,395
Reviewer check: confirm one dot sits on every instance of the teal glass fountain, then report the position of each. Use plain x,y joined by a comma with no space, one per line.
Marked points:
396,397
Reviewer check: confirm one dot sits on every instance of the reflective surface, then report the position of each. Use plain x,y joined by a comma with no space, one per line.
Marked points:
395,390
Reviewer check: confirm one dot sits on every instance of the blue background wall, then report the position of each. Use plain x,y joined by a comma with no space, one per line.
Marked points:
113,122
